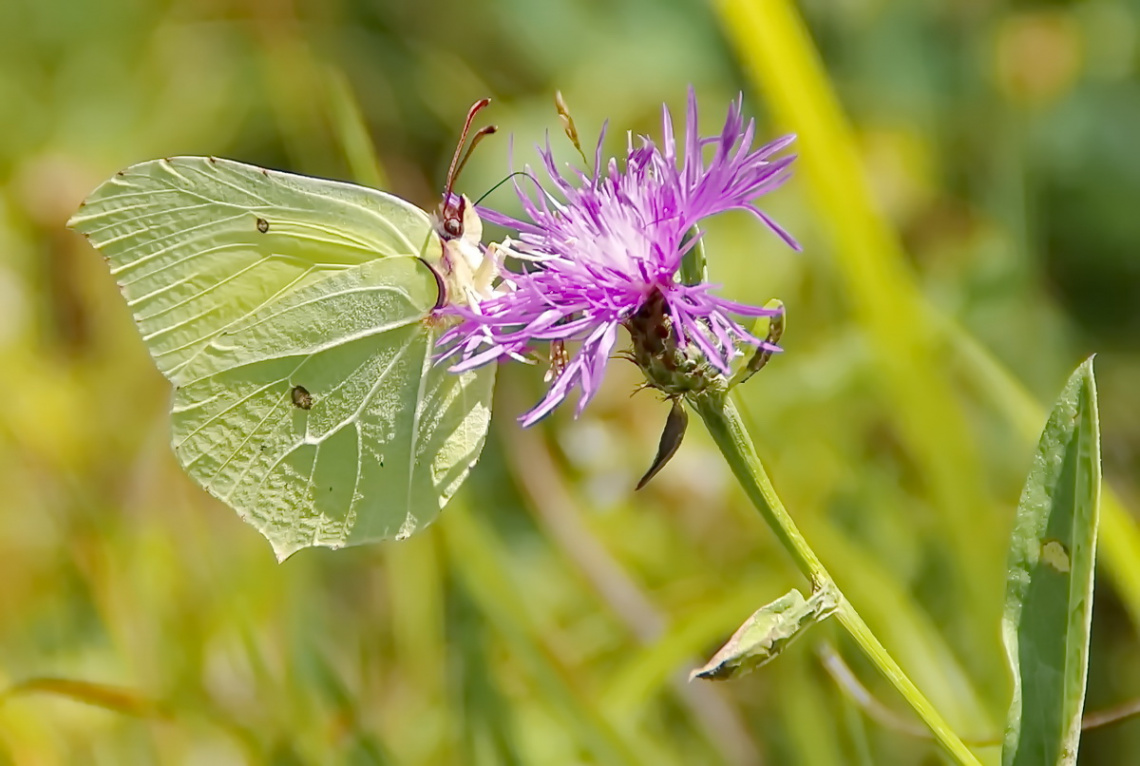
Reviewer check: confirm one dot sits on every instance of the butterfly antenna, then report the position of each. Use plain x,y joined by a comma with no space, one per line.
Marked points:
456,165
509,177
479,136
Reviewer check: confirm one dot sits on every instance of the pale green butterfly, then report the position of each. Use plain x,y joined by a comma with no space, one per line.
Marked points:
295,318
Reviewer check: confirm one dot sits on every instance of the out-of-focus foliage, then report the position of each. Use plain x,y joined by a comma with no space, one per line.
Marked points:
551,615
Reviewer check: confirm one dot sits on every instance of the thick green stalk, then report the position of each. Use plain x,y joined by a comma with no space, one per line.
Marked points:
727,429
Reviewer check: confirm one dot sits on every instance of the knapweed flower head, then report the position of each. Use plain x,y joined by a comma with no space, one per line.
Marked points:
603,249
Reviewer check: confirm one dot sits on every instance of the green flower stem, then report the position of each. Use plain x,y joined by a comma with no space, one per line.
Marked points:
727,429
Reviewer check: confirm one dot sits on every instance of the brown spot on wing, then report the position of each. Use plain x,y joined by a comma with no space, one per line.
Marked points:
302,399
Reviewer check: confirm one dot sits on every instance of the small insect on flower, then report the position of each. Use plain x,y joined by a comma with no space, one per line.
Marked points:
603,250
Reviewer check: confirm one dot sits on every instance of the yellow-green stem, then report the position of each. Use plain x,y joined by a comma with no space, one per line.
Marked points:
727,429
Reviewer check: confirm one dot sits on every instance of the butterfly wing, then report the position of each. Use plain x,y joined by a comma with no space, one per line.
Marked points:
292,315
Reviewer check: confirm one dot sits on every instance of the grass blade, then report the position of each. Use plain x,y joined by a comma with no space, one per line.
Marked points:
115,698
1049,590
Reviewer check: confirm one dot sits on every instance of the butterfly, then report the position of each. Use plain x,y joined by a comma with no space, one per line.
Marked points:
296,319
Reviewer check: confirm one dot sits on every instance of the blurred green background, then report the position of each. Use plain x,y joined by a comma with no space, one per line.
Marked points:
972,225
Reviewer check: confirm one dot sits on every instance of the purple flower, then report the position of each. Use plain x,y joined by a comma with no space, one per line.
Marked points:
597,248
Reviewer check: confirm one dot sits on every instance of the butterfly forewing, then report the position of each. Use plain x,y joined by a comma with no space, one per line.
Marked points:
197,243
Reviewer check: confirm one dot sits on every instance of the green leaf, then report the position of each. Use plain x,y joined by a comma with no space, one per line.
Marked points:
294,317
1049,591
767,632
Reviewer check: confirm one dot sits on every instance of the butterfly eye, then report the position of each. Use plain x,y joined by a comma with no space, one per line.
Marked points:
453,227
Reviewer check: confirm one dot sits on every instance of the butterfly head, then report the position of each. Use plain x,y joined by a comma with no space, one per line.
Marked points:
457,220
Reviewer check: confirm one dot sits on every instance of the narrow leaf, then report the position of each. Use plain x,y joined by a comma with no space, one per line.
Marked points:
1049,590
